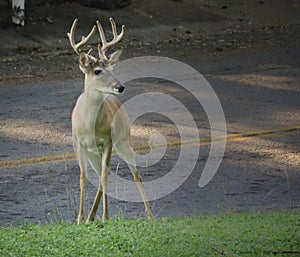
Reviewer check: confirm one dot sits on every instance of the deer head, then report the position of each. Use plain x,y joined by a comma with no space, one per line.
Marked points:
99,70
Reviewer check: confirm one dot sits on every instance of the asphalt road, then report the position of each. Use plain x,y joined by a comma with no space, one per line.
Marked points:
260,170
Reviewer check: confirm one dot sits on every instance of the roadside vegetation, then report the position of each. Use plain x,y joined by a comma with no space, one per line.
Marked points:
271,234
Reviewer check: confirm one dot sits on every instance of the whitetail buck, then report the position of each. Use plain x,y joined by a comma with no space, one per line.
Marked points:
95,129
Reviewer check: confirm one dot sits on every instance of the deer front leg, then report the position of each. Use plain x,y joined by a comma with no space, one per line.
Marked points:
96,164
106,156
83,181
95,206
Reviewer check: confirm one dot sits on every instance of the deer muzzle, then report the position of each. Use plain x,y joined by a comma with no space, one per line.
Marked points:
119,89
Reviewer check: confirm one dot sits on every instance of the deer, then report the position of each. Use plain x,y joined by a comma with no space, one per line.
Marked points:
96,128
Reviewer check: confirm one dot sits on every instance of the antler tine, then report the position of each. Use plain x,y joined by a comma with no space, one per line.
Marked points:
101,32
102,49
71,35
103,40
83,41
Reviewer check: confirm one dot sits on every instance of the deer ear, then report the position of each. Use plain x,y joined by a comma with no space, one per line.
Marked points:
114,57
84,62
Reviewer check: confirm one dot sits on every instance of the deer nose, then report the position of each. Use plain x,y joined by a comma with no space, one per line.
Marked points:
120,89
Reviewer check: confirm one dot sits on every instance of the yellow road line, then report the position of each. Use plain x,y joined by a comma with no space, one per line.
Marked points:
64,158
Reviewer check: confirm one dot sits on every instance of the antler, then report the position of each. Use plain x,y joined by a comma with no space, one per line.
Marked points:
102,49
83,41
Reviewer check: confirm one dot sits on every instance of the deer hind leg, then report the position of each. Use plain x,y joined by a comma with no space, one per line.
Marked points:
95,162
83,181
138,180
127,154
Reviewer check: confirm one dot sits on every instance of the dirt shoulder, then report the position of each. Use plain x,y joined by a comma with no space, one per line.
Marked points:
179,29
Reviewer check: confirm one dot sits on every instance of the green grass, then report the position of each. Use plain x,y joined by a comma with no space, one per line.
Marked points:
271,234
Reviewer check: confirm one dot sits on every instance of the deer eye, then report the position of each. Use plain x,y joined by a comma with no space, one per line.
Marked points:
97,72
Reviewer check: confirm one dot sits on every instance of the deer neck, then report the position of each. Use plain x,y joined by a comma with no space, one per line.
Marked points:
92,93
86,82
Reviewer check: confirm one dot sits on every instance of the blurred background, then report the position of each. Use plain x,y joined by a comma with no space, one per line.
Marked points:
247,50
